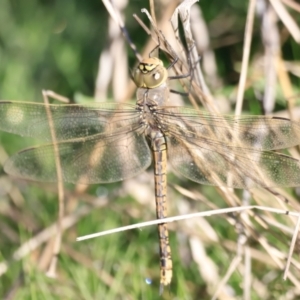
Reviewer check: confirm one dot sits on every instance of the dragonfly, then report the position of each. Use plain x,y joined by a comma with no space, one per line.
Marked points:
109,142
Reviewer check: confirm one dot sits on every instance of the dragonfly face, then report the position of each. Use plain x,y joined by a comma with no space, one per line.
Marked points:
106,142
150,73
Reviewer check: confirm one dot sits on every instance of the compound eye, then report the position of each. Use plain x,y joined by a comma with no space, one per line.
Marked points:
158,77
138,78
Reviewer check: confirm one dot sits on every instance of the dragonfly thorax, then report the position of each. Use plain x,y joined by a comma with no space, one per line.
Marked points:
150,73
149,102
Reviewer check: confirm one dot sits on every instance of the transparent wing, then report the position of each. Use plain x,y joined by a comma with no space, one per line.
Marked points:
224,165
257,132
69,121
225,150
86,160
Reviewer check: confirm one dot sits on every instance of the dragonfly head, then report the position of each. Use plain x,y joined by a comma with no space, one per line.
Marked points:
150,73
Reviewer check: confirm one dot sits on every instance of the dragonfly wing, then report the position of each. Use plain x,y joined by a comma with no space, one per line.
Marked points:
256,132
97,159
225,165
68,121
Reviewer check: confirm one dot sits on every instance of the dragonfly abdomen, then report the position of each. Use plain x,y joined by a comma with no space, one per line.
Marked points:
159,147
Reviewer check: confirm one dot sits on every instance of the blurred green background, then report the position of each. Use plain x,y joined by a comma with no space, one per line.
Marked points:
56,45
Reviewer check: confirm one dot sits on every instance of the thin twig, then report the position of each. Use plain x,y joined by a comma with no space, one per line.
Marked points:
286,19
291,250
246,54
188,216
61,209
